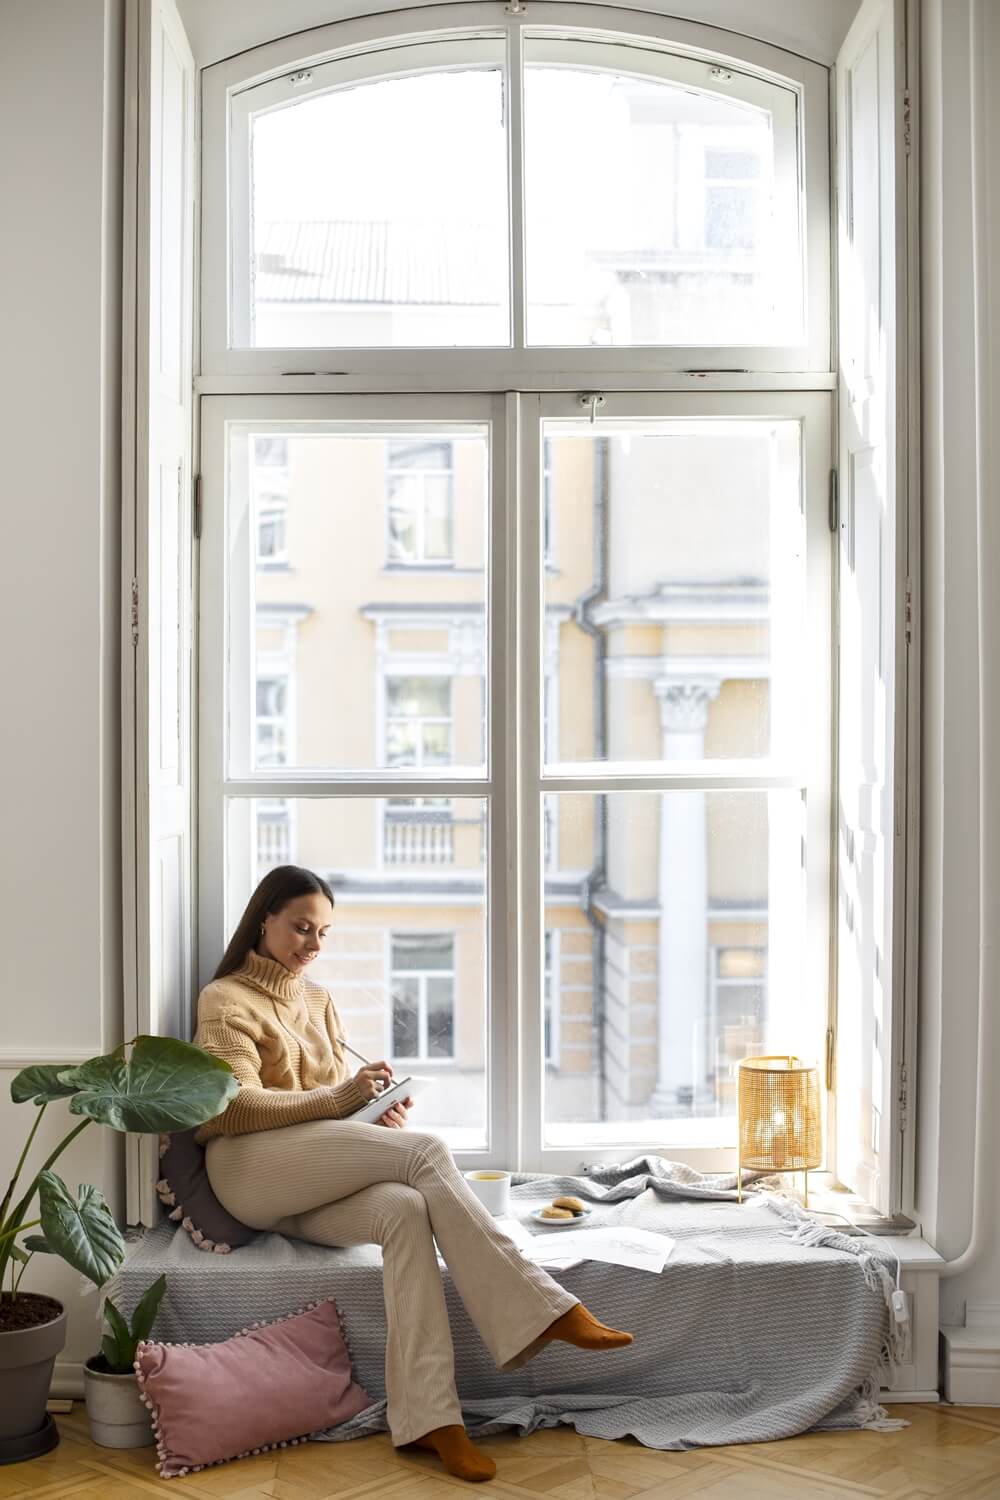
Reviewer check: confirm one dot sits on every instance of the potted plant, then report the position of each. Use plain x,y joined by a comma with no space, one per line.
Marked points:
151,1085
118,1418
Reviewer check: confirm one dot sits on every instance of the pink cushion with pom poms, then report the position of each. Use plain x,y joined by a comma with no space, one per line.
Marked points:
269,1386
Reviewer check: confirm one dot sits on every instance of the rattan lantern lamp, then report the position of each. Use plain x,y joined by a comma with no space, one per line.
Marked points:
779,1119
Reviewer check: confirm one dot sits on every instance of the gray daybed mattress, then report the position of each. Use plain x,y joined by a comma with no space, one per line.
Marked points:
760,1326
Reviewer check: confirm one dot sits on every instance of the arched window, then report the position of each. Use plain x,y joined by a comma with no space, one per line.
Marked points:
560,182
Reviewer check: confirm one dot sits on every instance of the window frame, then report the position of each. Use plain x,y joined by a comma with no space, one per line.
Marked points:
707,1148
513,780
225,93
218,783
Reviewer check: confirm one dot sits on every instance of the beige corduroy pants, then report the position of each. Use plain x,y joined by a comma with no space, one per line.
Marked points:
341,1184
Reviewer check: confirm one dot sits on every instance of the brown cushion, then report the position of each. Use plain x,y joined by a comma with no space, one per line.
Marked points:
186,1194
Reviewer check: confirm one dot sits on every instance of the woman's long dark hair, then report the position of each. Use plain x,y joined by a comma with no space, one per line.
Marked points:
278,887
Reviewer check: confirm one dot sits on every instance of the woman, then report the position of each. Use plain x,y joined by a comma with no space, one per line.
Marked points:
284,1156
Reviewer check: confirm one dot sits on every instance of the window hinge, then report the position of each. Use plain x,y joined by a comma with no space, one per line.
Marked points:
135,612
196,507
903,1096
908,612
833,503
831,1047
907,122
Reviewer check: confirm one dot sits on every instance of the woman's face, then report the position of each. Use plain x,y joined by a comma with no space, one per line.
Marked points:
293,936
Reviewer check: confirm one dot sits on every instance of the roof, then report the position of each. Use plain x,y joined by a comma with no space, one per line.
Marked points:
416,262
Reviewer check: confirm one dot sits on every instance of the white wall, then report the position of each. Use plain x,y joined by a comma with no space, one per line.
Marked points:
961,342
813,28
60,276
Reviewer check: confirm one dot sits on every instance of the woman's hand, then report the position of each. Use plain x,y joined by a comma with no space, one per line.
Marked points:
395,1117
373,1078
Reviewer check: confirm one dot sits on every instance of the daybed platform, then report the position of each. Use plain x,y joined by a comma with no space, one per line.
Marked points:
746,1335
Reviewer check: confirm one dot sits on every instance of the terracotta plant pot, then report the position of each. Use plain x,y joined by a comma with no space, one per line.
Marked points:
27,1357
118,1418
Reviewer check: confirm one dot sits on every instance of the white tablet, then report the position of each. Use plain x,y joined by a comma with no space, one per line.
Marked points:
402,1088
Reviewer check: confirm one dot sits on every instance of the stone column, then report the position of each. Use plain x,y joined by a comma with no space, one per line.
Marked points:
683,942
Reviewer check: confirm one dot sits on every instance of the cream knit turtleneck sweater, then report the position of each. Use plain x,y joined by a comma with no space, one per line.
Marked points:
279,1034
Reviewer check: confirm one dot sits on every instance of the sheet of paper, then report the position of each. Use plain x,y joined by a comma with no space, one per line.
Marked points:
619,1245
515,1230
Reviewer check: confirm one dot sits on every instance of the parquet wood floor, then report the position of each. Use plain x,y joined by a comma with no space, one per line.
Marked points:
947,1453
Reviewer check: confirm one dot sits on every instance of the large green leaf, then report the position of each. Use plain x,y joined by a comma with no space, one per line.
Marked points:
146,1309
83,1232
165,1085
118,1348
41,1083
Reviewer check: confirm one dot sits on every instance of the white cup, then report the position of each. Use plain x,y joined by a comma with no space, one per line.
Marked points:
492,1188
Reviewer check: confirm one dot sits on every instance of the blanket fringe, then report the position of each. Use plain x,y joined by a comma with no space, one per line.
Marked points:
873,1416
803,1230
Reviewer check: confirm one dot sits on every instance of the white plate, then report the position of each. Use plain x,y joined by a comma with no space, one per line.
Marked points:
536,1214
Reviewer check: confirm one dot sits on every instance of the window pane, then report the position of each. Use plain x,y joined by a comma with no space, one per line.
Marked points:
418,697
420,952
405,1016
381,670
405,959
440,1017
380,208
630,237
683,889
685,550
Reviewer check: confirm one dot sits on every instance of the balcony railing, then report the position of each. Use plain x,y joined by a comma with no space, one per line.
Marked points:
414,837
274,842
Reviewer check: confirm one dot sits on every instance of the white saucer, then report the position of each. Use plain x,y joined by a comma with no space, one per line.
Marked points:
536,1214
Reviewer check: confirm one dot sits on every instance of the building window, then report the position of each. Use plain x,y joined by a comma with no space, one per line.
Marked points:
422,989
272,530
270,490
550,998
738,1007
418,721
420,503
732,199
274,835
418,733
271,748
271,721
548,465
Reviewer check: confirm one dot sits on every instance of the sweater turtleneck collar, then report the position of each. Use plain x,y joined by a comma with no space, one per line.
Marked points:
273,978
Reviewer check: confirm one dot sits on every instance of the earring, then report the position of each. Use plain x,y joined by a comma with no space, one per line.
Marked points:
262,929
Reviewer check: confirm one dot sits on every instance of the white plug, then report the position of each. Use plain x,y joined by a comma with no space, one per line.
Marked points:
901,1306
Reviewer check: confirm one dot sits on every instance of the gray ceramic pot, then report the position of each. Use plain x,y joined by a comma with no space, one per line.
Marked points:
118,1418
27,1358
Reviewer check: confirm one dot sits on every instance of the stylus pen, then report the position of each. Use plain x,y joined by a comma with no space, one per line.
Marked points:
355,1053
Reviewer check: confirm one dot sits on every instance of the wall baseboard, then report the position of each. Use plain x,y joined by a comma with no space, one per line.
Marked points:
67,1380
970,1365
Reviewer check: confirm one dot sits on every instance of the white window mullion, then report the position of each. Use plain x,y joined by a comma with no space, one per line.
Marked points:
514,104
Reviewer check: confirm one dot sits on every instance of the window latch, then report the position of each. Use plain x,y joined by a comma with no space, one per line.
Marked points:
592,399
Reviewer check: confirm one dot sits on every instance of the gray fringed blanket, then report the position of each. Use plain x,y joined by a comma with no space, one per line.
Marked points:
761,1325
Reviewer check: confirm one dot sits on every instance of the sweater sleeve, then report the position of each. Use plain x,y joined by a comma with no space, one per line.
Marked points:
256,1107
